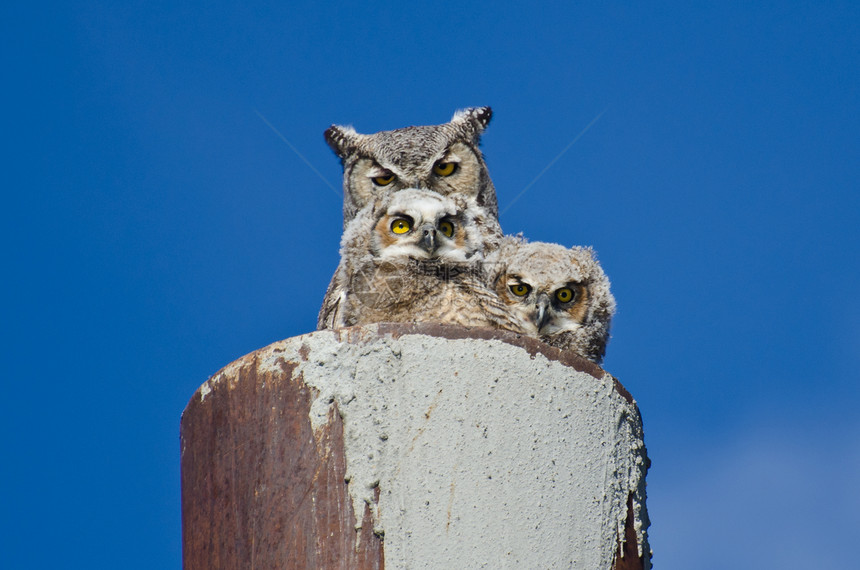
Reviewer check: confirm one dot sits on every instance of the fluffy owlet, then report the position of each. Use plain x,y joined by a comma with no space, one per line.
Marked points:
413,256
443,158
557,294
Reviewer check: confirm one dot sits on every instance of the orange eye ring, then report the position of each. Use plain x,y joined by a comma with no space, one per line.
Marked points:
383,180
447,228
565,295
445,168
400,226
520,289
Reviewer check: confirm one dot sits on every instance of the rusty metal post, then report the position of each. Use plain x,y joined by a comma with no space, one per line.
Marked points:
455,447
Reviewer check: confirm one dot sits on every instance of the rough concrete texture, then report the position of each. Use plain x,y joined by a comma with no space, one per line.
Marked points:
493,452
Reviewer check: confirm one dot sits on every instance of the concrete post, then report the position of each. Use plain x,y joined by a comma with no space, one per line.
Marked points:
413,446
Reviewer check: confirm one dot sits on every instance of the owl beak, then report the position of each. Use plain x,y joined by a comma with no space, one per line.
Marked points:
541,315
428,238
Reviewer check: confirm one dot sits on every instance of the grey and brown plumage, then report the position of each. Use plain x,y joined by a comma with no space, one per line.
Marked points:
412,256
557,294
443,158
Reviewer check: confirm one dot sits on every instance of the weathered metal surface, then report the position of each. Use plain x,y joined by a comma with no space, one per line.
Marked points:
627,557
262,489
258,489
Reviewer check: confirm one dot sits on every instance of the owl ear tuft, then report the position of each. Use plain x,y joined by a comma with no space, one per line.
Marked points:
342,140
473,120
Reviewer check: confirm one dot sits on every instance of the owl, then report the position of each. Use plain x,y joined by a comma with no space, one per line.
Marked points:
556,294
443,158
412,256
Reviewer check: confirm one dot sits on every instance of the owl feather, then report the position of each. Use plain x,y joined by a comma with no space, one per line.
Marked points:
557,294
431,271
444,158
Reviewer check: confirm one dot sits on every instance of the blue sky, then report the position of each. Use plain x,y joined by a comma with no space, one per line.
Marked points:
158,228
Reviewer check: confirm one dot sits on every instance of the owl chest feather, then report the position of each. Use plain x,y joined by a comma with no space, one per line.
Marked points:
415,291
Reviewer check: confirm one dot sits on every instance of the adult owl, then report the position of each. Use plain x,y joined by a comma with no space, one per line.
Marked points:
560,295
443,158
413,256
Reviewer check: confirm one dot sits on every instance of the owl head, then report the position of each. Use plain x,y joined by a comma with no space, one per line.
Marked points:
421,224
562,293
443,158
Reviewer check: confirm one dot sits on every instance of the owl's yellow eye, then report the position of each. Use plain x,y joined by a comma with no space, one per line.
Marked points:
447,228
383,180
520,290
445,168
400,226
565,294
